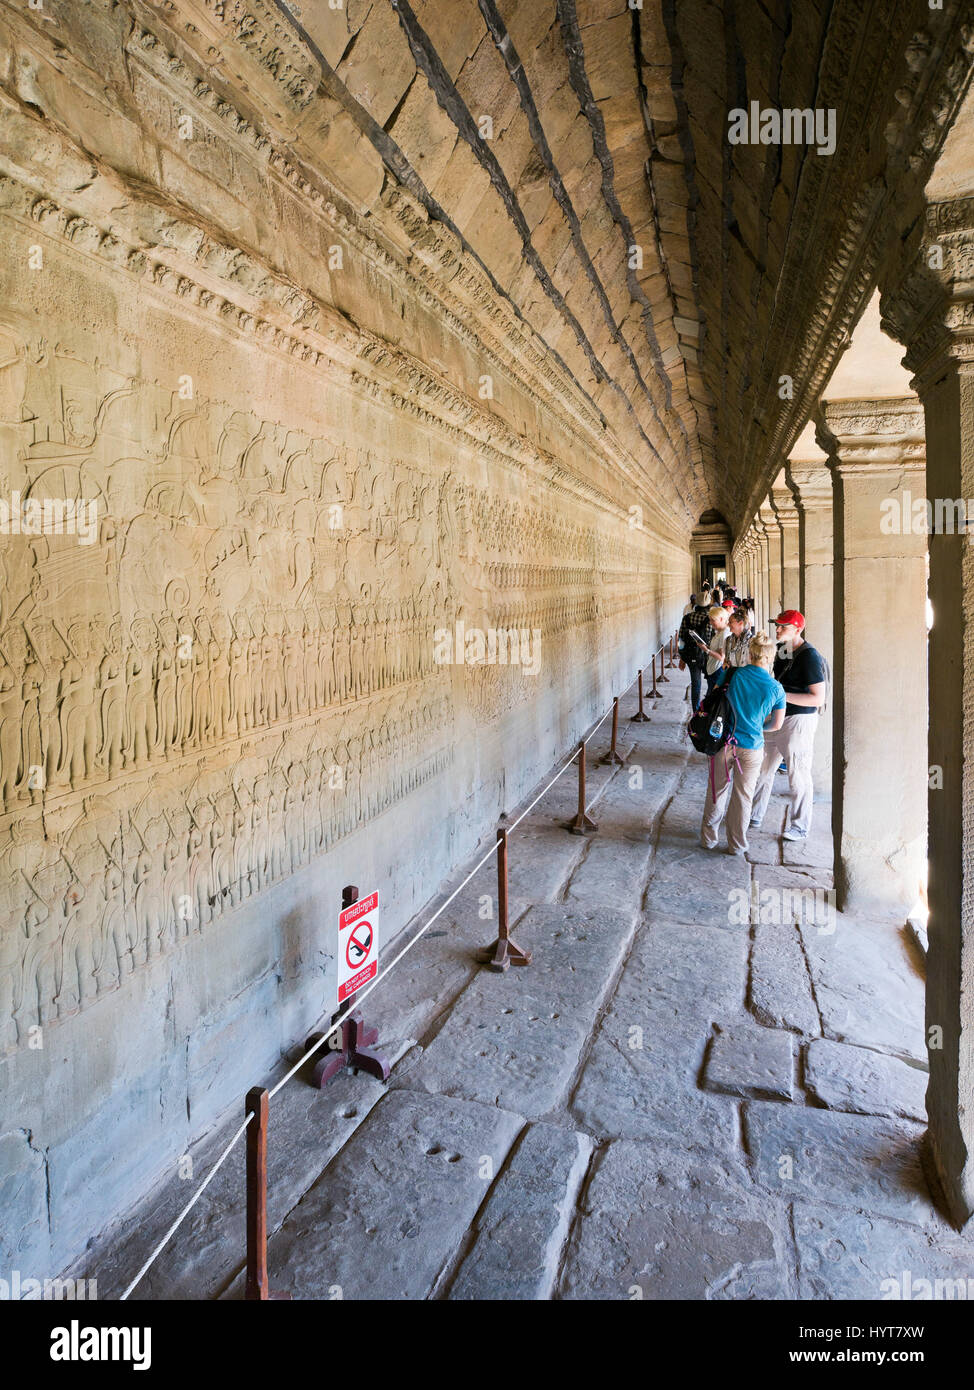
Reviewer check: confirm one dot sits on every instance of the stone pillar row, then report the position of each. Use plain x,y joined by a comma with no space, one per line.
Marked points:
927,305
879,693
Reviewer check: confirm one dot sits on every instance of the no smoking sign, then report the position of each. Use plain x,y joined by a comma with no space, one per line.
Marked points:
358,945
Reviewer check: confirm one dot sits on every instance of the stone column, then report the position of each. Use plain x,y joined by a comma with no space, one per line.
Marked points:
879,670
786,513
929,309
772,532
811,485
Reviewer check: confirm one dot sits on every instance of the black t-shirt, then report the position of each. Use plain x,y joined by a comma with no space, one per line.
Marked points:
797,673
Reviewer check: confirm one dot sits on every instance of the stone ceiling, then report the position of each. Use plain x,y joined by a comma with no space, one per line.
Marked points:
557,177
555,135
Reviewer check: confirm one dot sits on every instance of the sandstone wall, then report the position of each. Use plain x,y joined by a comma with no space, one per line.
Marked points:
226,705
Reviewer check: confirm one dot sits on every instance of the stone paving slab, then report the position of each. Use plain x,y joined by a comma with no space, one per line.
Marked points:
701,971
617,858
867,987
388,1213
854,1255
841,1160
753,1063
643,1084
654,1226
683,896
780,991
520,1232
515,1040
613,870
866,1082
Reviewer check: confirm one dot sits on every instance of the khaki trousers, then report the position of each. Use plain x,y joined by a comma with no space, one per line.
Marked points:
794,743
734,774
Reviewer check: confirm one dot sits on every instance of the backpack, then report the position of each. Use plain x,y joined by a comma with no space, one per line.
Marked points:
714,722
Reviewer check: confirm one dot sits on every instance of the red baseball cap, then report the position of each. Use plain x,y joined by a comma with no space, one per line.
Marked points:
791,615
728,603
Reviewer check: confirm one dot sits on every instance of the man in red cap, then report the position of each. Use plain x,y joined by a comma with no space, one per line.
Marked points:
803,673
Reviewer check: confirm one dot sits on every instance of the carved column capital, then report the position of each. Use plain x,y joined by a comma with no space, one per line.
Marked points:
811,484
927,302
785,508
866,434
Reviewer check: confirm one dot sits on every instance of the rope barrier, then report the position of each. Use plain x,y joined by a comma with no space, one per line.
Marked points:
366,992
188,1208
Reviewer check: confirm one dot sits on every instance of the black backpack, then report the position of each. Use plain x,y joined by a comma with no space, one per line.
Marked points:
714,722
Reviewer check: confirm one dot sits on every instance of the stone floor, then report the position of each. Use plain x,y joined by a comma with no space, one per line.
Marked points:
687,1095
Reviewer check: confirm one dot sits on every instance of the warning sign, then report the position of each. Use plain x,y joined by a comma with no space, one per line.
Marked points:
358,945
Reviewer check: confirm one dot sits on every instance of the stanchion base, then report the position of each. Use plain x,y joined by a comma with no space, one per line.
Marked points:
355,1051
614,759
503,954
581,825
639,718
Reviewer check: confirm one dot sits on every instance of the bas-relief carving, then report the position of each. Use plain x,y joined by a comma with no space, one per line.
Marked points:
256,613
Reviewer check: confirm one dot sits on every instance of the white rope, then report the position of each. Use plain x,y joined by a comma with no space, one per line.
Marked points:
189,1206
359,998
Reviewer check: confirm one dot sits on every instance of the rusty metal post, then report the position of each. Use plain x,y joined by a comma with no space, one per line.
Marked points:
612,756
504,952
581,823
663,677
654,693
640,717
257,1286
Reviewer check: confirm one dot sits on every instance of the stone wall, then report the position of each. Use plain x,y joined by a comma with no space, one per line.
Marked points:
219,699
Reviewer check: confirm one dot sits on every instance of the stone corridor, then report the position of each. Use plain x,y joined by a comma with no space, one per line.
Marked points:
671,1102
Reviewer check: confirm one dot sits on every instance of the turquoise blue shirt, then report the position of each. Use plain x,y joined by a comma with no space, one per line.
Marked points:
753,695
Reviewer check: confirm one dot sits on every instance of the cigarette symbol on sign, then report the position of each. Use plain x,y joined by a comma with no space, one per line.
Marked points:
359,944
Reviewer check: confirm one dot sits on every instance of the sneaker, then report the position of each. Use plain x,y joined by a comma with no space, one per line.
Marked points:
782,767
792,834
735,853
753,824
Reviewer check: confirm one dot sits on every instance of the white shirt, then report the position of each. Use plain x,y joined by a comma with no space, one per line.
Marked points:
718,640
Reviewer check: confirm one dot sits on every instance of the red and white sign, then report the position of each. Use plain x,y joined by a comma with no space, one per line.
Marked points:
358,945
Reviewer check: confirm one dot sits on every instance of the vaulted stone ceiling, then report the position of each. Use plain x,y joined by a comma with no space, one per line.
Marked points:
554,136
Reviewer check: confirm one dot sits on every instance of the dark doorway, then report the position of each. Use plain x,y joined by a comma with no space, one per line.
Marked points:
713,569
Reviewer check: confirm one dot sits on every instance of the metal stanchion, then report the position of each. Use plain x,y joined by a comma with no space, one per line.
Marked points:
613,756
504,951
257,1286
663,677
654,693
582,823
640,717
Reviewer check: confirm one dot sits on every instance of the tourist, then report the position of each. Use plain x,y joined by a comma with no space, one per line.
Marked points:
736,651
720,631
758,703
692,656
804,676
